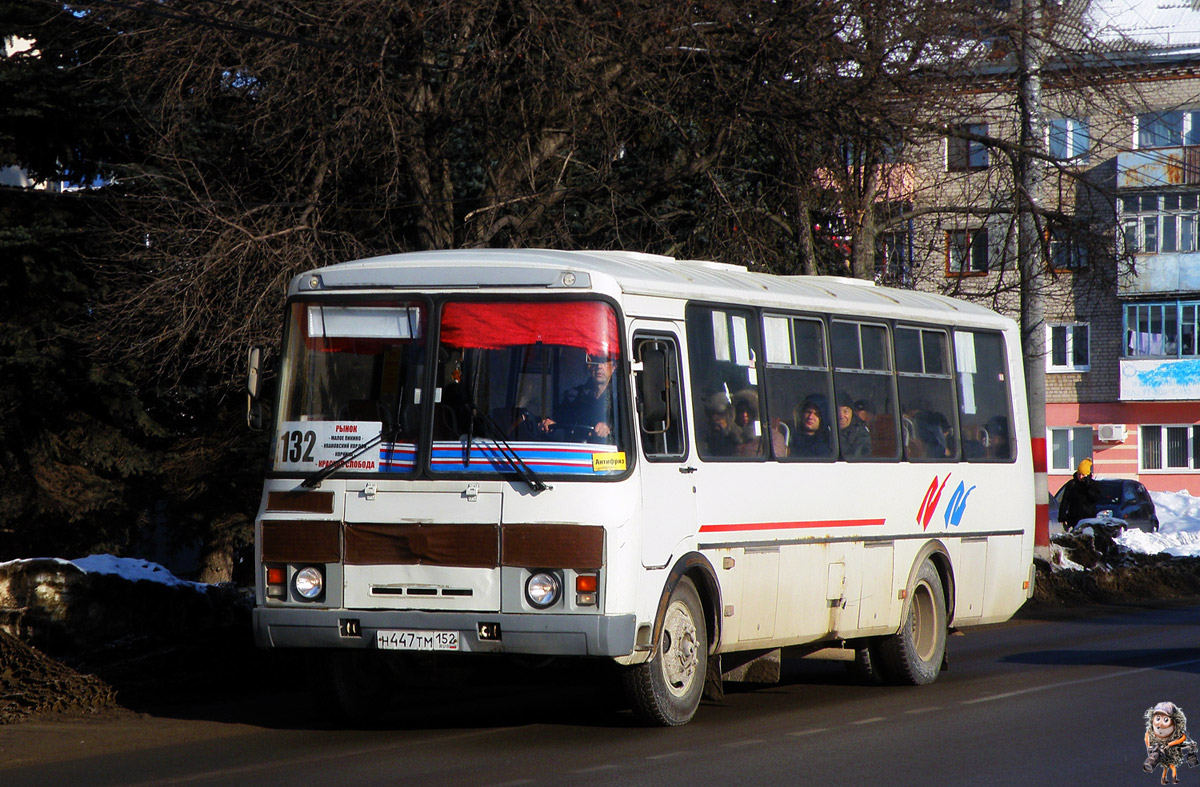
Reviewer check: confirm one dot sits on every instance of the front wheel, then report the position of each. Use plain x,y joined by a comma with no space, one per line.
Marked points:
914,655
666,690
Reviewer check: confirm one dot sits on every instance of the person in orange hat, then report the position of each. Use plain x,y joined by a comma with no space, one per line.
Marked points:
1079,496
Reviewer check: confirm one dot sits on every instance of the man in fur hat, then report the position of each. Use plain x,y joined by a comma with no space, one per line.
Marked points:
1167,741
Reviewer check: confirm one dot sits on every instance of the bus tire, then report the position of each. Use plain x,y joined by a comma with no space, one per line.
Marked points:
666,690
913,656
866,665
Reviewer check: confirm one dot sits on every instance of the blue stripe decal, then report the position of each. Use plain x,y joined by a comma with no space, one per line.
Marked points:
487,457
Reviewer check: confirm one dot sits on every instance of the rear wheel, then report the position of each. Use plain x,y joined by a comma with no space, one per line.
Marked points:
914,654
666,690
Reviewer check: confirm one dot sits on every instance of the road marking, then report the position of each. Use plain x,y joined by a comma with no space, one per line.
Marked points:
747,742
871,720
813,731
930,709
595,769
1093,679
668,755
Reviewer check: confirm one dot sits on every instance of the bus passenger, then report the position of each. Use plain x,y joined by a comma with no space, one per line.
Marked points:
747,430
586,411
811,435
718,439
854,440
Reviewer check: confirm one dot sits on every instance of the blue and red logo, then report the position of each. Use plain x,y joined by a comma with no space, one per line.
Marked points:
955,508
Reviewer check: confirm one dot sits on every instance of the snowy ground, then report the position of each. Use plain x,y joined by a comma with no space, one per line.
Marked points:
1178,529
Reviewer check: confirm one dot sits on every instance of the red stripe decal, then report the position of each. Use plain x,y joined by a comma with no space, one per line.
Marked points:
726,528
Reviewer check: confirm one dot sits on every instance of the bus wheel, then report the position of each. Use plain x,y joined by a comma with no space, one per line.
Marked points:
914,655
666,690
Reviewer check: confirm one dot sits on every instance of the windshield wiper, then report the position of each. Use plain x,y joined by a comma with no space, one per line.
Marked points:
314,480
527,473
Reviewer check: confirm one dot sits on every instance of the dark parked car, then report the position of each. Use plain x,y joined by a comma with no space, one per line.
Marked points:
1123,498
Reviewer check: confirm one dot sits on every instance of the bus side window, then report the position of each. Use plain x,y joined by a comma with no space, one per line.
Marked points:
983,396
660,397
723,356
862,380
799,416
926,389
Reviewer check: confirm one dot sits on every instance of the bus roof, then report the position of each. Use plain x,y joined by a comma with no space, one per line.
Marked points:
636,273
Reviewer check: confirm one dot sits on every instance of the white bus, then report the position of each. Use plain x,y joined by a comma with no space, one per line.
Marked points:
631,457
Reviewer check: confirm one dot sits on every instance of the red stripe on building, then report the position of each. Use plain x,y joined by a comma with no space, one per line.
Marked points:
737,527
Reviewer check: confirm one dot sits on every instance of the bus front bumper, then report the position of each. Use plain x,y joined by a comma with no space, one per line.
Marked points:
482,632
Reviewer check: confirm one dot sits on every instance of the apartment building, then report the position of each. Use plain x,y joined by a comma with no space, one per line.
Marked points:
1120,216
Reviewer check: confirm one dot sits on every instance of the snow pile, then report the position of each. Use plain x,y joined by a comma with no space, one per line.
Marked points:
1059,560
1178,529
132,569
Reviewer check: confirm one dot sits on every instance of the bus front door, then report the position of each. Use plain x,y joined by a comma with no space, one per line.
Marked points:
668,490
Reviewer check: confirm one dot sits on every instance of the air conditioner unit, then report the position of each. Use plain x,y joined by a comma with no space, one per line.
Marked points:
1111,433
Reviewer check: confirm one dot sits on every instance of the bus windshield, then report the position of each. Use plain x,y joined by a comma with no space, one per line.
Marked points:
536,376
518,386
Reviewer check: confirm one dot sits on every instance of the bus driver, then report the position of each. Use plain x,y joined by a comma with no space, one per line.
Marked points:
588,406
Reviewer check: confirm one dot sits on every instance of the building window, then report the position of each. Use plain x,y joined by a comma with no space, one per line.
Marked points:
1162,330
1068,138
1167,128
962,154
1066,253
1173,448
1068,349
966,252
1069,447
1160,222
893,259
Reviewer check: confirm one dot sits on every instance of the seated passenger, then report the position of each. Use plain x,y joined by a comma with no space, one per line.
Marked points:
747,430
718,438
854,441
810,438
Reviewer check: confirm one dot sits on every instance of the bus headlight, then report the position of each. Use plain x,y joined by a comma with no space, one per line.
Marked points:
542,590
309,583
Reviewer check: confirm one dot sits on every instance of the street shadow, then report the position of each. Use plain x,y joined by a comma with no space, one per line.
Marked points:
1184,660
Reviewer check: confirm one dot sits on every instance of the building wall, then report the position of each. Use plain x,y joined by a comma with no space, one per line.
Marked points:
982,198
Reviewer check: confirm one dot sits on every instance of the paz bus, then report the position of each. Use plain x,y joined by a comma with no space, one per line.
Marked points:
677,466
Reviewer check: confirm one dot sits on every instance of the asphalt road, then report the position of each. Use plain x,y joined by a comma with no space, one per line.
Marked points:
1024,703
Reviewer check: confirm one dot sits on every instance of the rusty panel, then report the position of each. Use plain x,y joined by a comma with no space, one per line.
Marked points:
552,546
301,502
468,546
301,541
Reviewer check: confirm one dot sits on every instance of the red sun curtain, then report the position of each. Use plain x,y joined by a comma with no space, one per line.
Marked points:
588,325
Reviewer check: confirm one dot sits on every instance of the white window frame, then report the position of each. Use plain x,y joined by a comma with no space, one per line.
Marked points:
1192,432
1073,455
1071,330
1076,138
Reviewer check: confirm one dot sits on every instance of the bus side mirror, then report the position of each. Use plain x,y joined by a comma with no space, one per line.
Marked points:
654,389
254,405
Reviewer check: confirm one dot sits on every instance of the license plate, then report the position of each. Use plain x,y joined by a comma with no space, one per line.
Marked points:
416,640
